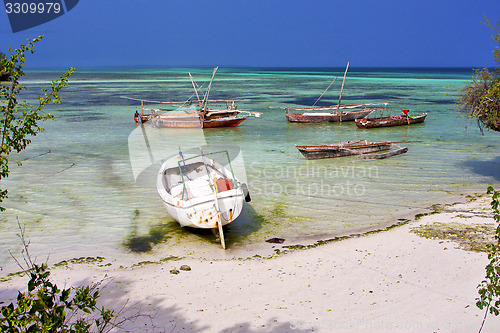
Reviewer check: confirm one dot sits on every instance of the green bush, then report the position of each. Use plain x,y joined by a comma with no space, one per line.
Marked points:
46,308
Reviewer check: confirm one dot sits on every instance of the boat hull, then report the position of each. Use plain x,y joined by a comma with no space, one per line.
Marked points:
181,121
223,122
389,121
203,214
195,121
331,151
326,117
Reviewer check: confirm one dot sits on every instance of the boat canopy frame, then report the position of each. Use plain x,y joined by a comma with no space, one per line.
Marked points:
183,160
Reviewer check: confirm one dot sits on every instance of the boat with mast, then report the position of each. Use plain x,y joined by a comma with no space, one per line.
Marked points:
202,113
337,113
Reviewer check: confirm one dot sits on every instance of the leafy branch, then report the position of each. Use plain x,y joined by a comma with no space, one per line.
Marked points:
480,98
46,308
20,119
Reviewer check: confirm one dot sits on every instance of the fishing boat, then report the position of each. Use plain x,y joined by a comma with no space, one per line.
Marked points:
332,113
195,121
346,148
315,116
361,148
403,119
199,113
201,190
188,120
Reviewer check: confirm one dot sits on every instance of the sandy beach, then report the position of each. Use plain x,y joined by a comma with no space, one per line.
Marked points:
388,281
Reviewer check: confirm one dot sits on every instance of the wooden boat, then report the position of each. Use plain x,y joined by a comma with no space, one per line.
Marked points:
348,148
200,192
332,113
191,117
390,121
195,114
361,148
318,117
177,120
194,121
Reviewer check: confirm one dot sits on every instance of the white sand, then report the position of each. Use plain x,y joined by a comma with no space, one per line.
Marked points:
391,281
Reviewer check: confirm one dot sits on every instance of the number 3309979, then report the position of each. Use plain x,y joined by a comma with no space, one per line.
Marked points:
32,8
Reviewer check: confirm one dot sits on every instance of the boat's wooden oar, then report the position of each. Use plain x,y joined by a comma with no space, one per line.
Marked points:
216,202
221,233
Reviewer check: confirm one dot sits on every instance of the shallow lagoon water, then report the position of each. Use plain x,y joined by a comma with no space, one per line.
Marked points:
76,193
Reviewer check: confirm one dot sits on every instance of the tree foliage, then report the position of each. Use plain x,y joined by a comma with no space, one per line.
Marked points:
19,120
480,98
46,308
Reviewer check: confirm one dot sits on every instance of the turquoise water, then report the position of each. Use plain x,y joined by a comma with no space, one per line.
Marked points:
77,195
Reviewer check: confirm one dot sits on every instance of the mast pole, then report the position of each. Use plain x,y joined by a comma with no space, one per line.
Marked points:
205,101
195,90
341,90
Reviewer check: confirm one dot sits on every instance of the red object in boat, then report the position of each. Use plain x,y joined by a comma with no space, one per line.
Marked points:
224,184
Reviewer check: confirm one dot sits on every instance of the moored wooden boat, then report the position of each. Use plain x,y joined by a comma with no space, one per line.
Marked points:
332,113
348,148
195,120
195,113
200,192
317,117
390,121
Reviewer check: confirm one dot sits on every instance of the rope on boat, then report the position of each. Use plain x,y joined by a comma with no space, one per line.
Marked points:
184,163
324,91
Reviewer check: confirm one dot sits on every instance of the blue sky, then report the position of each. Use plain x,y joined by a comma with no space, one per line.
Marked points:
264,33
